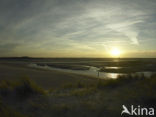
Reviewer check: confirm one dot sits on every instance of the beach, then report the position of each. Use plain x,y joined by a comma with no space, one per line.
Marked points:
31,91
45,78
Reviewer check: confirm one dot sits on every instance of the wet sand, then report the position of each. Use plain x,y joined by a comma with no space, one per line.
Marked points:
45,78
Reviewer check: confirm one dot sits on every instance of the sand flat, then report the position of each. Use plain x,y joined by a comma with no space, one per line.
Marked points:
45,78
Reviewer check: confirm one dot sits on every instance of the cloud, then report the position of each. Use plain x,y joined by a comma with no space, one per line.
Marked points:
127,28
82,26
140,54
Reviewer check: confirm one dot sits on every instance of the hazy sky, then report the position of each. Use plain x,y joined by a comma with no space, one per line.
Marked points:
77,28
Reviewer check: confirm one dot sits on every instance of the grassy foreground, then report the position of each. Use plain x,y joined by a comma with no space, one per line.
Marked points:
103,98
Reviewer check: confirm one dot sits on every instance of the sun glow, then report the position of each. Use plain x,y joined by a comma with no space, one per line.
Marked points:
115,52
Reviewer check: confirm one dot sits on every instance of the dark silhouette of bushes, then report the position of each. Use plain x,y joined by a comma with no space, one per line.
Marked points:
6,88
98,99
23,89
5,111
27,88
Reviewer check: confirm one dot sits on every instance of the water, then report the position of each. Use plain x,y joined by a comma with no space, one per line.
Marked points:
93,71
113,67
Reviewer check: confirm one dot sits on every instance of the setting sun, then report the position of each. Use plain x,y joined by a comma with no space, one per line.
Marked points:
115,52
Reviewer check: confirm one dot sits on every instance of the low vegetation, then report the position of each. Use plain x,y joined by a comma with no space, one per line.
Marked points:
22,89
5,111
103,98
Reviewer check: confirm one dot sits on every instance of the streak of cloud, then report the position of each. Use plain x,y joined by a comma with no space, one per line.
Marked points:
61,26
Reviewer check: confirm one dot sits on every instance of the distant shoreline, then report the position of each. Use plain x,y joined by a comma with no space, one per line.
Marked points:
27,57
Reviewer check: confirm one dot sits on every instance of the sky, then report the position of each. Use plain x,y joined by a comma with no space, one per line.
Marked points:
77,28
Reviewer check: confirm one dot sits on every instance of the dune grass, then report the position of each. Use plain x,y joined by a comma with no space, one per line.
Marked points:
103,98
5,111
22,89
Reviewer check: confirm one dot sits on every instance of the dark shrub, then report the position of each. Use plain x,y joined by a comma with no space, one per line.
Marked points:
109,83
5,88
27,88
